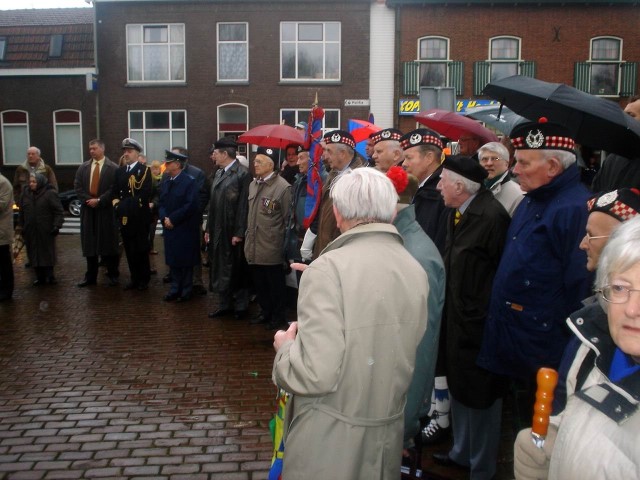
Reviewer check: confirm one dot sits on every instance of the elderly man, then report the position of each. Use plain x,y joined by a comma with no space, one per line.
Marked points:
226,228
494,158
386,148
541,278
349,359
468,145
98,231
475,240
132,189
6,239
33,164
269,203
339,153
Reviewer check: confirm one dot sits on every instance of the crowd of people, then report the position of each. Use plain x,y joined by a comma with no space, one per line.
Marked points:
430,287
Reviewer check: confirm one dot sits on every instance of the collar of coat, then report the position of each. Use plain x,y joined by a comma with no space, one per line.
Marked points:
359,232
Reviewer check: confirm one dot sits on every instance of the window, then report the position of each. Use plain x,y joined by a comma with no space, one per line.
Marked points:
155,53
233,120
310,51
233,52
15,136
606,54
504,57
433,53
331,120
158,131
55,46
67,131
3,48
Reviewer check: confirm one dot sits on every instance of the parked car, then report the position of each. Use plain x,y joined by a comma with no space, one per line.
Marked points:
70,202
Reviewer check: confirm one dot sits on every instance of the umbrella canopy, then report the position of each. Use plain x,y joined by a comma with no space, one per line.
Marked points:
272,135
499,117
361,129
593,121
453,125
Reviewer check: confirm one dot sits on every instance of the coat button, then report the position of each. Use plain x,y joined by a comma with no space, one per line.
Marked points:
513,238
527,283
594,339
579,321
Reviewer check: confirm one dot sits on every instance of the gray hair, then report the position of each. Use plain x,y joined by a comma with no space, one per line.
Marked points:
621,252
365,194
345,148
36,149
470,186
565,158
497,148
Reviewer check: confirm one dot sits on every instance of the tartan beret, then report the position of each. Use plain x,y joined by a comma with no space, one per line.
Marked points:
421,136
340,136
542,135
622,204
386,134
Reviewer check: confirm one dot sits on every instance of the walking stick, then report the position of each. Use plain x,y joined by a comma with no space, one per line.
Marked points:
547,379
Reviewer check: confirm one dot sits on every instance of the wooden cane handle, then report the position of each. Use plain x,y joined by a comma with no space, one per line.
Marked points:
547,379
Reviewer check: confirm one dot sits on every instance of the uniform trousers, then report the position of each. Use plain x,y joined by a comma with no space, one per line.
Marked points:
476,438
181,281
270,287
137,258
111,262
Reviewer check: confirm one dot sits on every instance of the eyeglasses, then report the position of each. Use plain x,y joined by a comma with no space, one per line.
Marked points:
616,293
486,159
589,237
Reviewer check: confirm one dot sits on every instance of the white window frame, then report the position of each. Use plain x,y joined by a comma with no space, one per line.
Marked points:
617,63
78,124
21,159
497,61
168,43
219,43
140,134
305,117
444,61
324,42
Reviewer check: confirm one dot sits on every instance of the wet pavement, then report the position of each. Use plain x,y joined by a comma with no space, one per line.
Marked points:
98,382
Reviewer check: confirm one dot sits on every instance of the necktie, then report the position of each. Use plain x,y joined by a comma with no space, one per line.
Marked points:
95,180
457,217
128,168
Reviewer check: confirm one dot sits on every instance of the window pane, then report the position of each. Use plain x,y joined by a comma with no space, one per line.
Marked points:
289,117
134,34
502,70
177,33
16,142
332,31
156,35
156,63
14,117
157,143
310,60
606,49
156,120
236,114
288,61
310,31
604,79
135,62
177,62
67,116
433,49
178,119
233,61
288,31
433,75
68,144
233,32
179,139
331,119
332,68
504,49
135,120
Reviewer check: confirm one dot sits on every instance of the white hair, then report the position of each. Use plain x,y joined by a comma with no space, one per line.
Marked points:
621,252
36,149
470,186
565,157
365,194
497,148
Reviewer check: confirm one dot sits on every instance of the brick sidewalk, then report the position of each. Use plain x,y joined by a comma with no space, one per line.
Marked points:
103,383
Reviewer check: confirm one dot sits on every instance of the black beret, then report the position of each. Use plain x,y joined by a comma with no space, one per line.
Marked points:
170,156
131,143
386,134
272,153
421,136
622,204
465,166
542,135
340,136
225,142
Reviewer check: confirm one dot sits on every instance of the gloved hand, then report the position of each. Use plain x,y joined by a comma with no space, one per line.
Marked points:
529,461
306,250
55,231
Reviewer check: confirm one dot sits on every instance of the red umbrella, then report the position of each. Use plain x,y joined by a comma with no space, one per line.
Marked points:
361,129
272,135
453,125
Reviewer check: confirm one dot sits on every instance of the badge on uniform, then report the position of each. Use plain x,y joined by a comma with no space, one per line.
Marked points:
270,205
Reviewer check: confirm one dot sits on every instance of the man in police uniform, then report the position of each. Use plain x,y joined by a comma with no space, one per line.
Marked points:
131,193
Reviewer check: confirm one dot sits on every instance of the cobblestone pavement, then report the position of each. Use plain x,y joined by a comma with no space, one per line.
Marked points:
104,383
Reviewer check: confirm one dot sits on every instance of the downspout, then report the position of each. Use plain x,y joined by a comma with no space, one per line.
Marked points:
95,62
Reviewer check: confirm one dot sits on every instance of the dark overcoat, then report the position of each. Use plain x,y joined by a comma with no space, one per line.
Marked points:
40,213
228,207
472,254
431,212
179,202
98,228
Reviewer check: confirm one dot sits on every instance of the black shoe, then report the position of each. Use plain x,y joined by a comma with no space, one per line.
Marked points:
257,320
199,290
130,286
184,298
166,278
170,297
221,312
240,314
443,459
434,434
39,283
113,282
85,283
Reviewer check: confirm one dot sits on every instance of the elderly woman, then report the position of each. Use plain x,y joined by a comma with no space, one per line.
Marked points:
41,217
494,158
596,436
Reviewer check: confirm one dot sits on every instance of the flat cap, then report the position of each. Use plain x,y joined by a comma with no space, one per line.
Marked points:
131,143
542,135
421,136
465,166
225,142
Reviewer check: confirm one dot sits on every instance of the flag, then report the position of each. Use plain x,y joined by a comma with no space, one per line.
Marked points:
313,137
276,426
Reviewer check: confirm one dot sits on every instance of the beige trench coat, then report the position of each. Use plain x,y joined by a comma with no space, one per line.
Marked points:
362,309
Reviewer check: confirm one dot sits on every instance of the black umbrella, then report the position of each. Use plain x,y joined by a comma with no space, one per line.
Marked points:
593,121
496,116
